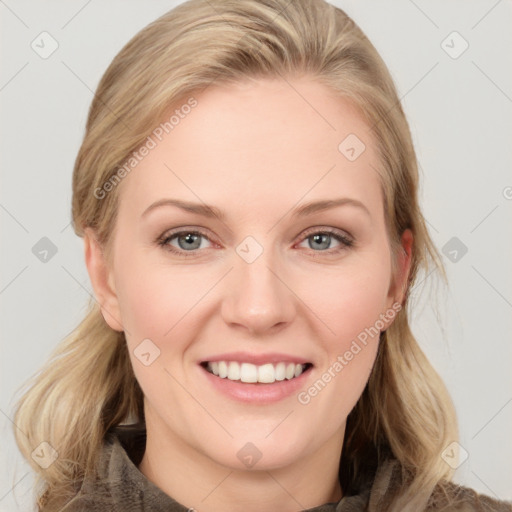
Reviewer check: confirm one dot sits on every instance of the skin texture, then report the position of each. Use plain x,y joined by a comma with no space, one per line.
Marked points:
256,150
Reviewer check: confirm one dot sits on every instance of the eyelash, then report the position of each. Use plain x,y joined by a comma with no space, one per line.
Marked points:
346,242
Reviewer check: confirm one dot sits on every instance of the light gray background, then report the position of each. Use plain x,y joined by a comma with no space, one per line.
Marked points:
460,115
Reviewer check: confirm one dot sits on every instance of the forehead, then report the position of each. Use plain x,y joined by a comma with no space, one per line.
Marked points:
262,144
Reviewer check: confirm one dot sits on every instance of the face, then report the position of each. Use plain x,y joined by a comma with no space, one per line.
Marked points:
265,287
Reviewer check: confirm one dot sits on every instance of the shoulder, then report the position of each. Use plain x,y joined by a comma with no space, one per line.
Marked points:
447,496
118,485
95,492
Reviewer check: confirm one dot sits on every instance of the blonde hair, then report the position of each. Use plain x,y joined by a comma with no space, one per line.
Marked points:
88,384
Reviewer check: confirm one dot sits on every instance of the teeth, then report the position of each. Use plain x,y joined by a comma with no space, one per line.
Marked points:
280,371
266,373
247,372
233,371
223,369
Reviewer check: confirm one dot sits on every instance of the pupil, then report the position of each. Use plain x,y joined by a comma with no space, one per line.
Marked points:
190,238
318,239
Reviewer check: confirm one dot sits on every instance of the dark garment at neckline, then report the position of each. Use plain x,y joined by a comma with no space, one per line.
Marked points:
125,489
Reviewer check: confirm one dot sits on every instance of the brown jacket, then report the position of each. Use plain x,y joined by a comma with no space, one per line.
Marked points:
126,489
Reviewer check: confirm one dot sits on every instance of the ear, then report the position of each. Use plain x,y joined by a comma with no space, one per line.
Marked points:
102,280
401,280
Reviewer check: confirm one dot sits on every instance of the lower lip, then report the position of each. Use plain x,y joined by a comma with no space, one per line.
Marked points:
257,392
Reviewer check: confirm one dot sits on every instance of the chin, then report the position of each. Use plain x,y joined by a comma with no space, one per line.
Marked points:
256,452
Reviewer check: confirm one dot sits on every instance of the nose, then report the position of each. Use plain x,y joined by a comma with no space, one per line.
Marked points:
257,296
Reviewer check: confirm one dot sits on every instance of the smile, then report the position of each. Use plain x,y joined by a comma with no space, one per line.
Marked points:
250,373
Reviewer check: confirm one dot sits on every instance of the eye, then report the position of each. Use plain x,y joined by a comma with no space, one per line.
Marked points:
321,240
188,242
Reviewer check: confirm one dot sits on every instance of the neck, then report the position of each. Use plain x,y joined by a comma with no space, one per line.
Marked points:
195,480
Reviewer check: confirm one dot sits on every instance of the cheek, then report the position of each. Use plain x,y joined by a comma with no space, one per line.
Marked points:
349,299
153,297
349,307
159,304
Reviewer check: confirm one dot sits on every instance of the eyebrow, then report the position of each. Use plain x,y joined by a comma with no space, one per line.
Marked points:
213,212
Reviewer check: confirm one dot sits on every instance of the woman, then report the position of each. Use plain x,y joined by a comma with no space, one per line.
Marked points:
247,194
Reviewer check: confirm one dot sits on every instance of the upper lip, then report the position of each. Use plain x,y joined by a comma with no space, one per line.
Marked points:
257,359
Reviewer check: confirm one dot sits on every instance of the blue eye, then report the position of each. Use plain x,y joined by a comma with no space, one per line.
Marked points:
322,240
189,242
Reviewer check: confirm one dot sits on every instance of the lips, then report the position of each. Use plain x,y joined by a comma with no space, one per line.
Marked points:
255,392
257,359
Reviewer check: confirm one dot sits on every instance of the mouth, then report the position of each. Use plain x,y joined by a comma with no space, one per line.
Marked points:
249,373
